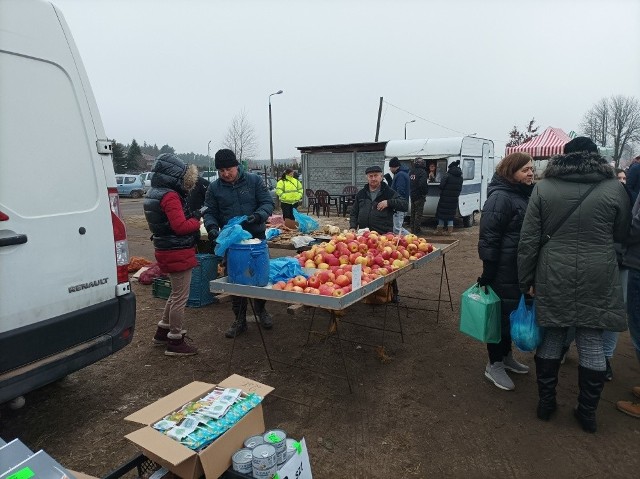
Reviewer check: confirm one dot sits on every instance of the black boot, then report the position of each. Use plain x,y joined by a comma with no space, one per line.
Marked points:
239,325
591,383
263,315
547,378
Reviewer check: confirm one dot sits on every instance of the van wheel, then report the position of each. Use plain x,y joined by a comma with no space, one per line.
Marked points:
469,221
136,194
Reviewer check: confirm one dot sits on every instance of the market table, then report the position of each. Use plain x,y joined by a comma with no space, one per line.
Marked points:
330,303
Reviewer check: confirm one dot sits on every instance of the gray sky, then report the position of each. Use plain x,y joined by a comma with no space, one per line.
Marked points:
177,72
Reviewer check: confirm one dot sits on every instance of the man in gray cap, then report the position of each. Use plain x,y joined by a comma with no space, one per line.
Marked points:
375,204
374,207
238,193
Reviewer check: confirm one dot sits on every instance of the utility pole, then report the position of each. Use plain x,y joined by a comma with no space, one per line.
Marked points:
379,114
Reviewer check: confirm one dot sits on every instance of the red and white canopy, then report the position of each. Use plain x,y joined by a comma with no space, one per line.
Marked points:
550,142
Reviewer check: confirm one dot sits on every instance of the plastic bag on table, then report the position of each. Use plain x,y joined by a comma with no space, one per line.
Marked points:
306,224
232,233
300,241
272,233
525,332
283,269
480,310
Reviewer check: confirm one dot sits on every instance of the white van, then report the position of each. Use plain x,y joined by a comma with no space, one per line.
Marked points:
65,297
477,162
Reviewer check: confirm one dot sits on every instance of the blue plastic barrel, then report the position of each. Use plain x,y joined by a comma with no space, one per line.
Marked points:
248,264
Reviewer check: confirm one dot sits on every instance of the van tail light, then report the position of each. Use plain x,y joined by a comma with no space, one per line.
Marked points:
3,216
119,237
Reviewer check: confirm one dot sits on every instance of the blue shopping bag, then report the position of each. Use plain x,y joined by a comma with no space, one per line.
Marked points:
525,332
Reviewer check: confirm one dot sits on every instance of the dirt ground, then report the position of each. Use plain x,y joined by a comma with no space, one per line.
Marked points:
427,412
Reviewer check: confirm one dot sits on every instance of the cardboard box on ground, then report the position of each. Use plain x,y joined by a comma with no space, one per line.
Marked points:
215,459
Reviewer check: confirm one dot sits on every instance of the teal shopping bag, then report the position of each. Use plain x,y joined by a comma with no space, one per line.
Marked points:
480,314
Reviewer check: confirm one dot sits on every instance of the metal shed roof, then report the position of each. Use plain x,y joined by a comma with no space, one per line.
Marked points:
344,148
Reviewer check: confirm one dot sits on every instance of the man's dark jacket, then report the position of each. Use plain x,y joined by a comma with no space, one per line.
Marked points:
401,182
418,178
365,214
247,196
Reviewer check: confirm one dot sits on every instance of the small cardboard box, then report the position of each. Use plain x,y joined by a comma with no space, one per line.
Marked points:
182,461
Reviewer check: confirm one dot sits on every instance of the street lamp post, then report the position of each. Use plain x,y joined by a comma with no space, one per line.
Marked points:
405,128
271,129
208,155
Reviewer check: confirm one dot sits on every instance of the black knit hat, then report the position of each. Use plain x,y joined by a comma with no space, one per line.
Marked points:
580,143
225,159
394,162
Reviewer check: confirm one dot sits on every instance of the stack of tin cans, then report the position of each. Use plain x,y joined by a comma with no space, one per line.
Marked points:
263,454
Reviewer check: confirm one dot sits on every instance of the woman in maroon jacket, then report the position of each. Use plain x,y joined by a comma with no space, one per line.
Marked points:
176,231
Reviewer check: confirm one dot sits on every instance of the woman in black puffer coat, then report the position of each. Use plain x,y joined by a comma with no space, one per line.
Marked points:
450,188
502,216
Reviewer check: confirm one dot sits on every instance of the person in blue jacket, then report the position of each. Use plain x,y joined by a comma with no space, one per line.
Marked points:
238,193
633,178
401,185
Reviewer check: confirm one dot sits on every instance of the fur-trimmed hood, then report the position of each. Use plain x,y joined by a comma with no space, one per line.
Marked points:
171,172
581,166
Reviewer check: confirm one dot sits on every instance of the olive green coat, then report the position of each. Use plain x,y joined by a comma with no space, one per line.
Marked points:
575,274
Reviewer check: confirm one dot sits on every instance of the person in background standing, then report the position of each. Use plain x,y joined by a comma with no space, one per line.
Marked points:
631,260
195,199
502,216
633,178
622,176
574,275
175,233
401,185
450,188
289,190
373,208
418,188
238,193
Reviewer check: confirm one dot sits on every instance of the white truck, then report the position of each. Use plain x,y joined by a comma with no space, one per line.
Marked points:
65,297
477,162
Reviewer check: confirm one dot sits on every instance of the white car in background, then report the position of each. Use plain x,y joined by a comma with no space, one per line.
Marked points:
146,179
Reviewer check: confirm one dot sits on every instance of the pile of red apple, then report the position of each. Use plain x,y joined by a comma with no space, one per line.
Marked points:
378,254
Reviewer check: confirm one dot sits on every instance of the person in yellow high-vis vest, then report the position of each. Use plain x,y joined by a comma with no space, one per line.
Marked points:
289,190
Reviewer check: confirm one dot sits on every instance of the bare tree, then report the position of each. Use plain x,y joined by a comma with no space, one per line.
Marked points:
596,122
241,137
614,121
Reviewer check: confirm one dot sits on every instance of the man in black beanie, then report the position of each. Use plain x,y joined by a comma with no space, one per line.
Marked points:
238,193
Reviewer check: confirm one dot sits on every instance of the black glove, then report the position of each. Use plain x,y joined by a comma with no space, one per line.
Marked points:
213,234
251,219
489,271
196,214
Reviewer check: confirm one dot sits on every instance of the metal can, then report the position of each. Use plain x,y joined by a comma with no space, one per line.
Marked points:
253,441
242,461
264,462
277,438
291,450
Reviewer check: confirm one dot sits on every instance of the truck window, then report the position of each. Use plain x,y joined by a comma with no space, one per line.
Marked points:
468,169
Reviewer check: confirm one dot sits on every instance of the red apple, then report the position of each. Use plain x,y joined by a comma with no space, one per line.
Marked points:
300,281
353,246
342,280
314,282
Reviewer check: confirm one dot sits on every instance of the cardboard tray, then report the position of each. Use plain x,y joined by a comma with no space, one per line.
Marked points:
182,461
